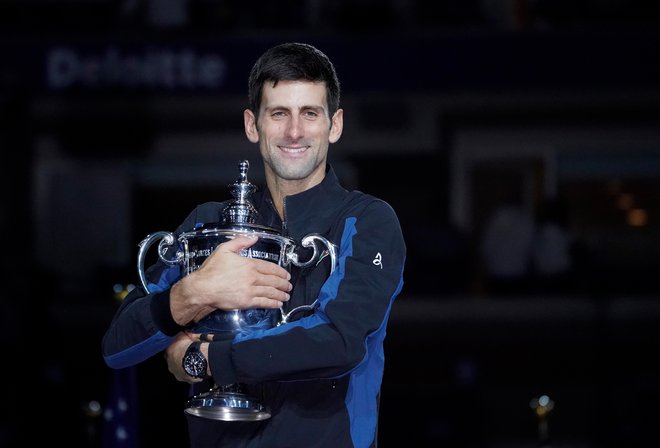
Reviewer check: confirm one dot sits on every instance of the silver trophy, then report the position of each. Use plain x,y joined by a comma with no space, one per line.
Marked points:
190,249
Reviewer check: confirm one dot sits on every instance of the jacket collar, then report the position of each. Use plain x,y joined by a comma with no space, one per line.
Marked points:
316,206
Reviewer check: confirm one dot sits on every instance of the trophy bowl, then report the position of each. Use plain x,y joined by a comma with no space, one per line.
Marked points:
231,402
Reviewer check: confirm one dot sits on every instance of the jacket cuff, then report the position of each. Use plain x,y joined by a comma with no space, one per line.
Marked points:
222,368
160,311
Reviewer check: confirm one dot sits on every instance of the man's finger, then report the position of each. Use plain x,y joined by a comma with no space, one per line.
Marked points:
273,296
238,242
270,268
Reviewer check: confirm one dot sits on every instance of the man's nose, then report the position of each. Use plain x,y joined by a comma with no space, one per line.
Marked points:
294,129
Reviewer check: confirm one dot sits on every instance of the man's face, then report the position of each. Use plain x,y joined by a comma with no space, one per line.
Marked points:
294,130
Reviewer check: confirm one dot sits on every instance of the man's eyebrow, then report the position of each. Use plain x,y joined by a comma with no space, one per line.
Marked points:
303,107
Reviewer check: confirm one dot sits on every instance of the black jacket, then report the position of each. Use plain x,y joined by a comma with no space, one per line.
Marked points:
320,375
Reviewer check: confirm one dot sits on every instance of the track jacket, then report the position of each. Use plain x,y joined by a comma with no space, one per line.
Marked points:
320,375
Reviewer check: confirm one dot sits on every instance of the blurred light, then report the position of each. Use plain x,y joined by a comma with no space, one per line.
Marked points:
121,291
92,408
637,217
542,405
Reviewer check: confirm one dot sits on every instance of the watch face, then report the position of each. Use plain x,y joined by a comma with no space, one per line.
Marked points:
194,364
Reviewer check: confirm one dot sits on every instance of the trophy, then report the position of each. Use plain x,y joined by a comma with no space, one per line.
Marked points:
240,217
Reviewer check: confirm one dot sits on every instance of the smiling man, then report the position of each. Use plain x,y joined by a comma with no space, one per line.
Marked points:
320,375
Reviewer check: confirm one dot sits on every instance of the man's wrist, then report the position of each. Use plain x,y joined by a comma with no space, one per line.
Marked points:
204,348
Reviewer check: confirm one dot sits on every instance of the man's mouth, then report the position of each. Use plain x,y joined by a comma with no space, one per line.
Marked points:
293,150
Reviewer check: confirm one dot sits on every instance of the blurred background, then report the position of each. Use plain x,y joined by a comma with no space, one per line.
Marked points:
518,140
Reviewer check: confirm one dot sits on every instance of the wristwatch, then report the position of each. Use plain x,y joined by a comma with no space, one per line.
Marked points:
194,363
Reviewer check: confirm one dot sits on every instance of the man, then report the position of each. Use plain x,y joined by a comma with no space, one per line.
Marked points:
319,375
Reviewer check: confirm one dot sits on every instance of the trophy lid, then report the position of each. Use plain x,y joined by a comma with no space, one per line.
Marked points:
241,210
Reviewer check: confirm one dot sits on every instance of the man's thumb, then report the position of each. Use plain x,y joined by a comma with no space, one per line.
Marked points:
239,241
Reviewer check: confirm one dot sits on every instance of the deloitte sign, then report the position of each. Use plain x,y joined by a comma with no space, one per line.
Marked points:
157,68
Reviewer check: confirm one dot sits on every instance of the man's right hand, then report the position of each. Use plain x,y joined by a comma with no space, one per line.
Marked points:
228,281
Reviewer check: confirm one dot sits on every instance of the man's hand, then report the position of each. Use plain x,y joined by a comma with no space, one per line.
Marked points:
228,281
174,356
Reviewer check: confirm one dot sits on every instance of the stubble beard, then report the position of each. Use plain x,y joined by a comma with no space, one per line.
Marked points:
298,170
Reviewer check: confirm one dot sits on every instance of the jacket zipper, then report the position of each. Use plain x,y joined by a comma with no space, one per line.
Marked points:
285,231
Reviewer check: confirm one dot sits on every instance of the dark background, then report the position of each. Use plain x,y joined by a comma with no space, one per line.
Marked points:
117,117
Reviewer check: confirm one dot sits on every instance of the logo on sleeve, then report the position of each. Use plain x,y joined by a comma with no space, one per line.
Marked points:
378,261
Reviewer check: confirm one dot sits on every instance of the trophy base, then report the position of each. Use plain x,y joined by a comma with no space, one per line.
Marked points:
218,404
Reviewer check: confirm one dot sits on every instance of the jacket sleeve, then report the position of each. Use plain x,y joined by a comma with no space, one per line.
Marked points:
143,325
354,306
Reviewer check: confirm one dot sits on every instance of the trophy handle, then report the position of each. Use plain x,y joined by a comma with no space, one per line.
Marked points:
166,241
292,257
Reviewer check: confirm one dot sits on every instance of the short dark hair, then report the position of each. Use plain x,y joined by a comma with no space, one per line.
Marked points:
293,61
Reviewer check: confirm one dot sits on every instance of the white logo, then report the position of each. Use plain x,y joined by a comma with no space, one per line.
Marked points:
378,260
324,254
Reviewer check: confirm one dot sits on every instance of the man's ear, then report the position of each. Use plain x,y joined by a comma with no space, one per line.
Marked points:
250,123
337,126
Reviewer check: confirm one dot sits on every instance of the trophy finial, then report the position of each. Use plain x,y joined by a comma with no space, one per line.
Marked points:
243,167
241,210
